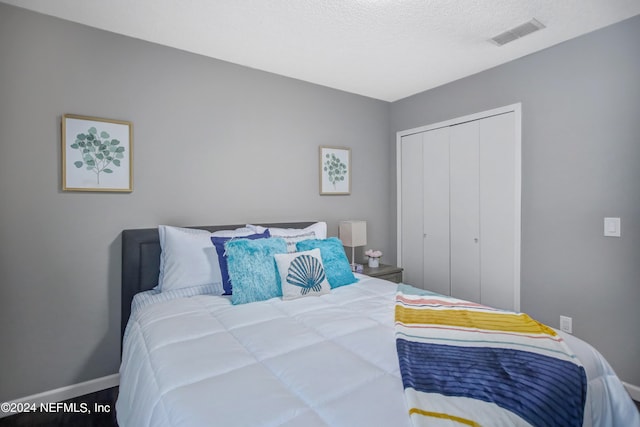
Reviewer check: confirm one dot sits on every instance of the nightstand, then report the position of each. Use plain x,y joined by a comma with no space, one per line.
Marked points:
385,271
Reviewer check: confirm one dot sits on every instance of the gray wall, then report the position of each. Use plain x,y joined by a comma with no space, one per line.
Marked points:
580,163
214,143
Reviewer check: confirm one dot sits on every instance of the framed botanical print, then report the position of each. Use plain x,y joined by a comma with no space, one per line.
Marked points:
96,154
335,170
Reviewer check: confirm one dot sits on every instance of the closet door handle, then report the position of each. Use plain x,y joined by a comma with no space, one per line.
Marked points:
475,240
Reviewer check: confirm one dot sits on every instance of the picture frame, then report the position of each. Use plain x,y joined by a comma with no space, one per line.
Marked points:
335,170
97,154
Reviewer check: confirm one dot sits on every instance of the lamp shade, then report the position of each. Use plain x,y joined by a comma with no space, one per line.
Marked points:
353,233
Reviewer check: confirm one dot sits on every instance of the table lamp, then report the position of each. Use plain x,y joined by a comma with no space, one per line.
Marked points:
353,233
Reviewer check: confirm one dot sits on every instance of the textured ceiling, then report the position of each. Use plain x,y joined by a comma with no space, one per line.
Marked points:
384,49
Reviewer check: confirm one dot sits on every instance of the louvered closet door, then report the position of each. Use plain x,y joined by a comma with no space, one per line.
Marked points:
436,211
465,211
411,196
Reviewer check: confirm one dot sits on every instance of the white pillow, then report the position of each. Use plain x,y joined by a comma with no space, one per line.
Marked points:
188,257
238,232
292,241
294,235
302,274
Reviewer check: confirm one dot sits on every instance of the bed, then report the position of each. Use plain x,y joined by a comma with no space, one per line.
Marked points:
194,358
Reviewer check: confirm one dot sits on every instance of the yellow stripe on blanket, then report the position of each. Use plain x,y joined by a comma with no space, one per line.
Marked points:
443,416
494,321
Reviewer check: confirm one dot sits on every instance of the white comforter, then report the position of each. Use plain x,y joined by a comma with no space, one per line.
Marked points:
315,361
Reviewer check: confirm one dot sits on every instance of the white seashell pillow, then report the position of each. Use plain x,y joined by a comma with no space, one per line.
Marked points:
302,274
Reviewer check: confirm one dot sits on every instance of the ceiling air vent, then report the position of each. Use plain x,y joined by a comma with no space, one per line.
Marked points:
517,32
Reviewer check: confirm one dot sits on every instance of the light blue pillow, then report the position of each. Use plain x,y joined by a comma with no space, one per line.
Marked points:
220,243
252,269
336,264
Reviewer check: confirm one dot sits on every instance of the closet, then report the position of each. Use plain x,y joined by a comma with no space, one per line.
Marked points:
459,207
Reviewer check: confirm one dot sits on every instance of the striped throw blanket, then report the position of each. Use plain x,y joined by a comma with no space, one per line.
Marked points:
467,364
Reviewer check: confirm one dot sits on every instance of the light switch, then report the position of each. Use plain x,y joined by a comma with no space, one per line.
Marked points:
612,227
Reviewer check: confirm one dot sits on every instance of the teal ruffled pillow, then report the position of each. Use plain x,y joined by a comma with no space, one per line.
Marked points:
252,269
336,264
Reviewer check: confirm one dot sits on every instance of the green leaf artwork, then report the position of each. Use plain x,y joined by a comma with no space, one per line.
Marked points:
96,150
336,170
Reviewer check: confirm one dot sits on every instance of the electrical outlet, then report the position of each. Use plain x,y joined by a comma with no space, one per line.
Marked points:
566,324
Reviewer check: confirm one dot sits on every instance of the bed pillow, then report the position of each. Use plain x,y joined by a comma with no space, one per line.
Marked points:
238,232
302,274
294,235
252,269
220,244
336,264
292,240
187,259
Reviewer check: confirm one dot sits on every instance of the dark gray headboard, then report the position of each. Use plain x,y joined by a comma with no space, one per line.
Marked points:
141,260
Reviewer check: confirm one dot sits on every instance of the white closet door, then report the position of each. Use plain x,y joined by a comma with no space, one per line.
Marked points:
411,195
497,211
465,215
436,211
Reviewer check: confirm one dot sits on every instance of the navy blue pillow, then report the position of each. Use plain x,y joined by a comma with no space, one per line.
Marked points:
336,264
219,243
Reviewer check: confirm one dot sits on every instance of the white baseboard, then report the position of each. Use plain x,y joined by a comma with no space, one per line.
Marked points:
68,392
633,390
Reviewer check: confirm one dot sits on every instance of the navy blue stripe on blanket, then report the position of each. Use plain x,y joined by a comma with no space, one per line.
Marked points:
542,390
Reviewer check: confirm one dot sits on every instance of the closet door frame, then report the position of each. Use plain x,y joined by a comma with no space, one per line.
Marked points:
517,110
